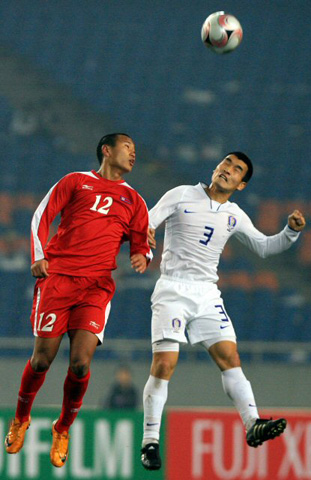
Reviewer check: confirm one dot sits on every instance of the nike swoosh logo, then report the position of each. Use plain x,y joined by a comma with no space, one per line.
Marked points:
188,211
151,424
251,405
224,326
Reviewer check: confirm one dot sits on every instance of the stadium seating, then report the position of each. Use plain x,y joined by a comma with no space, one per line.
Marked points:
77,52
162,86
15,299
128,318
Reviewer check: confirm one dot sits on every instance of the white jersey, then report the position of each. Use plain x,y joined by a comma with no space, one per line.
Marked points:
197,229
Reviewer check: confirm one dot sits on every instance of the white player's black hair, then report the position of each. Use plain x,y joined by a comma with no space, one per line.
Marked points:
242,156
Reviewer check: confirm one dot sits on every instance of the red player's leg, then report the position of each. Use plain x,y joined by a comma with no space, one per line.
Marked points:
82,347
45,350
32,379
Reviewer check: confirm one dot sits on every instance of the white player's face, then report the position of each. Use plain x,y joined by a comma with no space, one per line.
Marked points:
122,155
228,175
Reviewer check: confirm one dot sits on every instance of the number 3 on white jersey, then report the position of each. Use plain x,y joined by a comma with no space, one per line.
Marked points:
208,234
104,209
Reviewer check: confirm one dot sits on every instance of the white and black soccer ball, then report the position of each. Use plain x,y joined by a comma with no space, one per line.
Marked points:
221,32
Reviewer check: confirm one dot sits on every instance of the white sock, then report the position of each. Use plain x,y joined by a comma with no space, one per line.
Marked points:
239,390
154,398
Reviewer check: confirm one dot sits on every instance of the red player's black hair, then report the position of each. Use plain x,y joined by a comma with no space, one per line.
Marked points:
109,139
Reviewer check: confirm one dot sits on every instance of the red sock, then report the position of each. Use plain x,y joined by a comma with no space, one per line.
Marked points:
30,385
74,390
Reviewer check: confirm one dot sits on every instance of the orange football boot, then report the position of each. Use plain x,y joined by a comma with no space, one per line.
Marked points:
59,449
15,438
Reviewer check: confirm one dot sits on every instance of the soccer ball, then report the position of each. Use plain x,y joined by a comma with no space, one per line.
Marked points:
221,32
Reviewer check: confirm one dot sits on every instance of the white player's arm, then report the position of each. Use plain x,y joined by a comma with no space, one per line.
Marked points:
165,207
262,244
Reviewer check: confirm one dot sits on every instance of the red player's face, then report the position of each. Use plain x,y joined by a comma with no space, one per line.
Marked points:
228,175
122,155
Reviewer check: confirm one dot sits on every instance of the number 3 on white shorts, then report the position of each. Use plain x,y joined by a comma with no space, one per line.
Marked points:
48,327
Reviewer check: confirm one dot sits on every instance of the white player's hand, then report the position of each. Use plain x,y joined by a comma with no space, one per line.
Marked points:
296,221
151,238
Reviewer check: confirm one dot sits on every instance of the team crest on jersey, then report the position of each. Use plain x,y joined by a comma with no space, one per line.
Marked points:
126,200
176,324
231,223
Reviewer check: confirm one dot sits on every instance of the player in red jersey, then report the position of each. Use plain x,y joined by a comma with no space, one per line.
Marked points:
99,211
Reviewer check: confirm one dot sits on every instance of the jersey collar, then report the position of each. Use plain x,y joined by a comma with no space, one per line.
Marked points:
214,205
106,179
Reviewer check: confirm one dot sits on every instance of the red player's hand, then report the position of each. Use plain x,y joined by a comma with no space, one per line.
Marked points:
139,262
39,269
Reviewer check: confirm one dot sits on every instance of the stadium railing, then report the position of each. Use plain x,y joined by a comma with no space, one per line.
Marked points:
140,350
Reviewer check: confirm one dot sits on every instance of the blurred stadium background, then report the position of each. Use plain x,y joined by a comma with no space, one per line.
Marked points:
71,71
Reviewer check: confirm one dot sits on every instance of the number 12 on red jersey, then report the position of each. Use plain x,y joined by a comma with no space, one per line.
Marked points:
104,209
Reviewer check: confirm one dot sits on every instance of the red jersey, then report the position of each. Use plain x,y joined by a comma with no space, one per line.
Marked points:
97,216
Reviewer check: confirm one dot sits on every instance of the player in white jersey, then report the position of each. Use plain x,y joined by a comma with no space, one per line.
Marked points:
199,220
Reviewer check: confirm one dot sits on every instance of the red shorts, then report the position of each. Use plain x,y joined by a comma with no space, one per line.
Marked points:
62,303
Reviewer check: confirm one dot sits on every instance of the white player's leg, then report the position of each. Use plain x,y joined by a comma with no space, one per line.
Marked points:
234,382
165,357
239,390
154,398
168,331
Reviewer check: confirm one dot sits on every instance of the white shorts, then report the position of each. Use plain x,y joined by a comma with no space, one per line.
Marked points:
195,308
